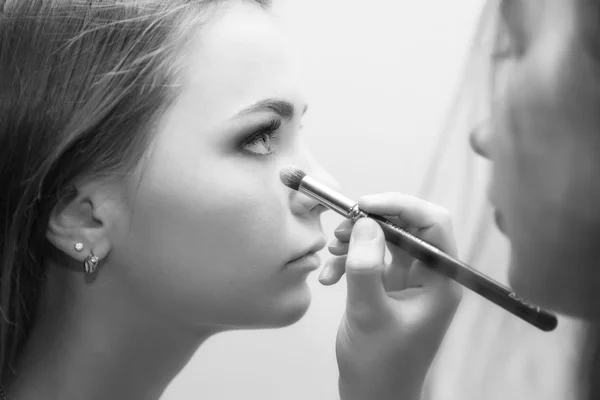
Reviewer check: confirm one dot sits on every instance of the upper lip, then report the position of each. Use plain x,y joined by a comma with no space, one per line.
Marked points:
316,246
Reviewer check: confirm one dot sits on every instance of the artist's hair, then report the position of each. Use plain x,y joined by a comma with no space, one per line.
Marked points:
82,83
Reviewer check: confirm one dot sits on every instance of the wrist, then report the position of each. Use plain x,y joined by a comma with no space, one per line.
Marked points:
380,388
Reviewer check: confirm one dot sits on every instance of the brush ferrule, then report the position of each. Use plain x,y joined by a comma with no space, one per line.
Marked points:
356,213
327,196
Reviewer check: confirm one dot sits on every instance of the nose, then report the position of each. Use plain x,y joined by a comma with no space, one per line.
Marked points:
479,139
301,203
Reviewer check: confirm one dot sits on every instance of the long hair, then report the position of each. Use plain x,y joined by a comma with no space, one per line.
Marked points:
82,84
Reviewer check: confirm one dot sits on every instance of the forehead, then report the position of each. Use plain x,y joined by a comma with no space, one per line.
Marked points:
239,57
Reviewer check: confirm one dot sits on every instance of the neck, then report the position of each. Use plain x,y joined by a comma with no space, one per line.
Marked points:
99,346
587,371
592,352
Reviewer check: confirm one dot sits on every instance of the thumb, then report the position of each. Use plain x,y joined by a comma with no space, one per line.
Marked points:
364,271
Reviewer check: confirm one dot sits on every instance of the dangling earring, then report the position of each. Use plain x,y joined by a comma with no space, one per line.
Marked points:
91,263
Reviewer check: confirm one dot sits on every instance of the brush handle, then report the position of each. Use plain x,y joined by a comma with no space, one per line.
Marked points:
460,272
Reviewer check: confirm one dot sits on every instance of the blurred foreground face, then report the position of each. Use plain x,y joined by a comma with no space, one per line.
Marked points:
545,148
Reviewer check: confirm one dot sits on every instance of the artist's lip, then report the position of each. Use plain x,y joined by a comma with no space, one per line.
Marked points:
499,221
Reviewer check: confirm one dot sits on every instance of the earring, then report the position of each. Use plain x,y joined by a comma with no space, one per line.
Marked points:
91,263
78,246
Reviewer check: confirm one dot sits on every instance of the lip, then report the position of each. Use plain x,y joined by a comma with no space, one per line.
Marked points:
499,221
310,261
308,257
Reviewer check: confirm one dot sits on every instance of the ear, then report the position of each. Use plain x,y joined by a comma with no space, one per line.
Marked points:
88,218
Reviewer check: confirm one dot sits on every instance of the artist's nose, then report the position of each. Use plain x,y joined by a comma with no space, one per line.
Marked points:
302,203
480,139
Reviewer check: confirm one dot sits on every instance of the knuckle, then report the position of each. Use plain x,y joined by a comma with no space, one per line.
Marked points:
456,293
443,217
453,296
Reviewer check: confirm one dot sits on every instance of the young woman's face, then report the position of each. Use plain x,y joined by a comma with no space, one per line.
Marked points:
213,229
545,148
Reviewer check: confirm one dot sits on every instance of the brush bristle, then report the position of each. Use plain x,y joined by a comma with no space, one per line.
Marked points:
292,176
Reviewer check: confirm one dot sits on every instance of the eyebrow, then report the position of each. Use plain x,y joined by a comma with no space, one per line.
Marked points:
283,108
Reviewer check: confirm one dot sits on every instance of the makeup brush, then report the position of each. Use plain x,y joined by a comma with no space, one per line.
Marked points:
431,256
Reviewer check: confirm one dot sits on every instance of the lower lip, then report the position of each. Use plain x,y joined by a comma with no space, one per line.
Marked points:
308,262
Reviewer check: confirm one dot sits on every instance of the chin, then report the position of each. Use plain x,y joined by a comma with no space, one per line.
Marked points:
275,312
291,307
524,286
553,293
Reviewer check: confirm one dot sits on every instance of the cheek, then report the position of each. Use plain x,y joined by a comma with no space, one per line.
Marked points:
204,243
535,156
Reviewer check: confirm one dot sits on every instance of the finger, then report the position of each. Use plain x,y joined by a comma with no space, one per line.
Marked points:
437,298
430,299
338,248
343,231
395,278
417,212
420,275
333,271
433,222
400,258
364,271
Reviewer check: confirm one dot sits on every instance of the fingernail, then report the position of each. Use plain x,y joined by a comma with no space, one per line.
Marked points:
364,229
324,275
334,245
325,272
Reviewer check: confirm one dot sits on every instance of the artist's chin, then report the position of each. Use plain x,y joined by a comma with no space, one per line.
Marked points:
528,281
555,295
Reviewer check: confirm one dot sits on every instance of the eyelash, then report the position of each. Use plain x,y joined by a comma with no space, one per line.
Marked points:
269,129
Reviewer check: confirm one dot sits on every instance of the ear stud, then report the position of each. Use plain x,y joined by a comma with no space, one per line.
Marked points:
78,246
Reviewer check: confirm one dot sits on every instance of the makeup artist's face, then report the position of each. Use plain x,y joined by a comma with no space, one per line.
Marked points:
545,148
213,228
